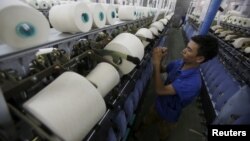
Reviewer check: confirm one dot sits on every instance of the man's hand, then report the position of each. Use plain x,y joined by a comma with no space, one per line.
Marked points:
158,54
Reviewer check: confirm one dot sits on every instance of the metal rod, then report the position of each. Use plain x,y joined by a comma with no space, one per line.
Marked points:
41,132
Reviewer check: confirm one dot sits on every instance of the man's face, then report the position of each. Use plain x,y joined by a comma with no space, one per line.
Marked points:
190,53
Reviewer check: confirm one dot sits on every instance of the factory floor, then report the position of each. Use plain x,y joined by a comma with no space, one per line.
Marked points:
189,120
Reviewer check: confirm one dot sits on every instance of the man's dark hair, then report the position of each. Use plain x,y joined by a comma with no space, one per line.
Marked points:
208,46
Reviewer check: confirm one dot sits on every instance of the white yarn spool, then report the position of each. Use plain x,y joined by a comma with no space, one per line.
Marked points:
168,17
110,14
215,27
245,22
98,14
129,44
43,4
229,37
222,18
51,3
247,50
127,13
158,25
154,31
145,33
105,77
219,30
230,19
240,20
235,20
164,21
240,41
224,33
33,3
26,29
70,106
73,17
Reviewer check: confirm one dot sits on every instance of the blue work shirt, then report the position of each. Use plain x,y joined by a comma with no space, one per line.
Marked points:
187,85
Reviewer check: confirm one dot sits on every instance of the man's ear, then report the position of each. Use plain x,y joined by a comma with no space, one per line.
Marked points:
200,59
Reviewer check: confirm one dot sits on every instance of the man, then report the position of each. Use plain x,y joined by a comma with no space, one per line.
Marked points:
182,85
